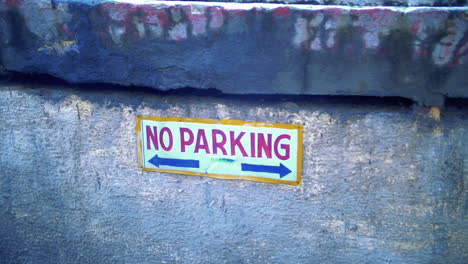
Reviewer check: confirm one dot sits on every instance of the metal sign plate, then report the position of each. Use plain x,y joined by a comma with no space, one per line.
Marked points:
227,149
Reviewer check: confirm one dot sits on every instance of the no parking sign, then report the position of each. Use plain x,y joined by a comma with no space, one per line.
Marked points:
227,149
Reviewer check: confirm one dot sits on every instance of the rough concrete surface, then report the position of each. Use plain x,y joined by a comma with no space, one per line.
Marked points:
414,52
383,182
360,2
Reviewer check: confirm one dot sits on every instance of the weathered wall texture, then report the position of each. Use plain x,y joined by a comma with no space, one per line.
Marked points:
383,183
419,52
358,2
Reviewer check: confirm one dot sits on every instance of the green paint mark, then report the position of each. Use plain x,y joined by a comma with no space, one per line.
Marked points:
224,160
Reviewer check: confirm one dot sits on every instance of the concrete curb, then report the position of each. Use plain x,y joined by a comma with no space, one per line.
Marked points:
414,52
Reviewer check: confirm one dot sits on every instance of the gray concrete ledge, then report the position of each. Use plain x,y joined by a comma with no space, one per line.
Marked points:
414,52
360,2
322,2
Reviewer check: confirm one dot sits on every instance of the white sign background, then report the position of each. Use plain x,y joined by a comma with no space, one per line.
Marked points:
220,164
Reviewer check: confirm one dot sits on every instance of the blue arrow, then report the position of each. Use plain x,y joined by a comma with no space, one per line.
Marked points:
157,161
281,169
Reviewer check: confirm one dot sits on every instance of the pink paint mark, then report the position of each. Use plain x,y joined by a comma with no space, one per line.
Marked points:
461,58
11,3
199,25
238,12
217,18
155,15
335,11
199,18
64,29
316,44
187,9
116,11
282,11
331,43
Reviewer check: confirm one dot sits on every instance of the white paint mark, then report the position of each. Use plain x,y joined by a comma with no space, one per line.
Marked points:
330,24
178,32
316,45
443,51
176,14
116,33
198,10
371,40
301,33
155,30
117,13
331,39
140,27
316,20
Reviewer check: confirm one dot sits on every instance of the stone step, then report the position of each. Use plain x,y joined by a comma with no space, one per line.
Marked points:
242,48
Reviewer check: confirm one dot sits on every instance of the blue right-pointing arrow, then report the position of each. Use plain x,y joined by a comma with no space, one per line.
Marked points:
157,161
281,169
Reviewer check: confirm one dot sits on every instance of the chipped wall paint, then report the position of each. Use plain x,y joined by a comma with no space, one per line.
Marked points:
324,22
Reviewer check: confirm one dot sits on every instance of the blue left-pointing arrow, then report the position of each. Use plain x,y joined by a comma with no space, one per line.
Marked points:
184,163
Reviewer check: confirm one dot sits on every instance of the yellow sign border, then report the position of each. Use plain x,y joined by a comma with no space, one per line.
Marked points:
224,122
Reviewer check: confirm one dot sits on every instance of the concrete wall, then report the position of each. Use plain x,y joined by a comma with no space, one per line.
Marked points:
383,182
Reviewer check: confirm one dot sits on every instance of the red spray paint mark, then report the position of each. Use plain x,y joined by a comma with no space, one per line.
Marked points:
460,51
282,11
154,15
416,26
373,11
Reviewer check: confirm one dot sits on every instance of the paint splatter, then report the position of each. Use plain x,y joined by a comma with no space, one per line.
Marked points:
224,160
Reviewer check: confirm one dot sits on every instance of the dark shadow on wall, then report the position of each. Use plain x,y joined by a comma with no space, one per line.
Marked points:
112,95
41,80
